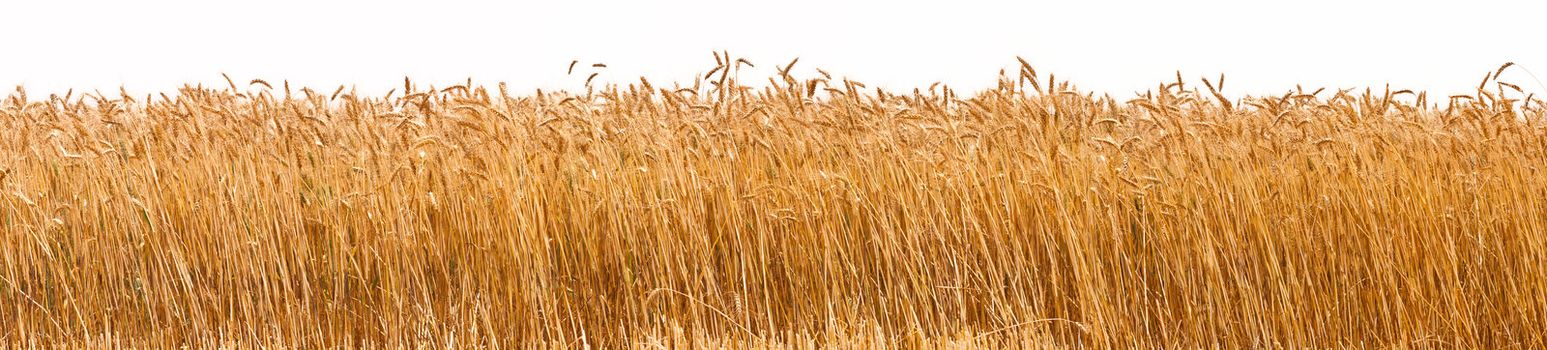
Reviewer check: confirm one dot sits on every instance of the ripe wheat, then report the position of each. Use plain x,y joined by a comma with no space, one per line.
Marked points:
809,212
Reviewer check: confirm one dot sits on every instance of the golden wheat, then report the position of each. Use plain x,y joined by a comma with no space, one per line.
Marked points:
806,213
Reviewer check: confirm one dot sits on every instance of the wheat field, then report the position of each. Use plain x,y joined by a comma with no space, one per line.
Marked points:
783,211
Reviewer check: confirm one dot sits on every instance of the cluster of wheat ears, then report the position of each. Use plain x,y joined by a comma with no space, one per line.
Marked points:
804,212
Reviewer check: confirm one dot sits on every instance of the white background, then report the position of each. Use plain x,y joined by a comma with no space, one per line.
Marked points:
1116,47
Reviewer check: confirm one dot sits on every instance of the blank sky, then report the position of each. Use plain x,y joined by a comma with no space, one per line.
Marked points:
1117,47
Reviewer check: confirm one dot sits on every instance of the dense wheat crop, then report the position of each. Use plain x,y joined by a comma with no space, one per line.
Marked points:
803,212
